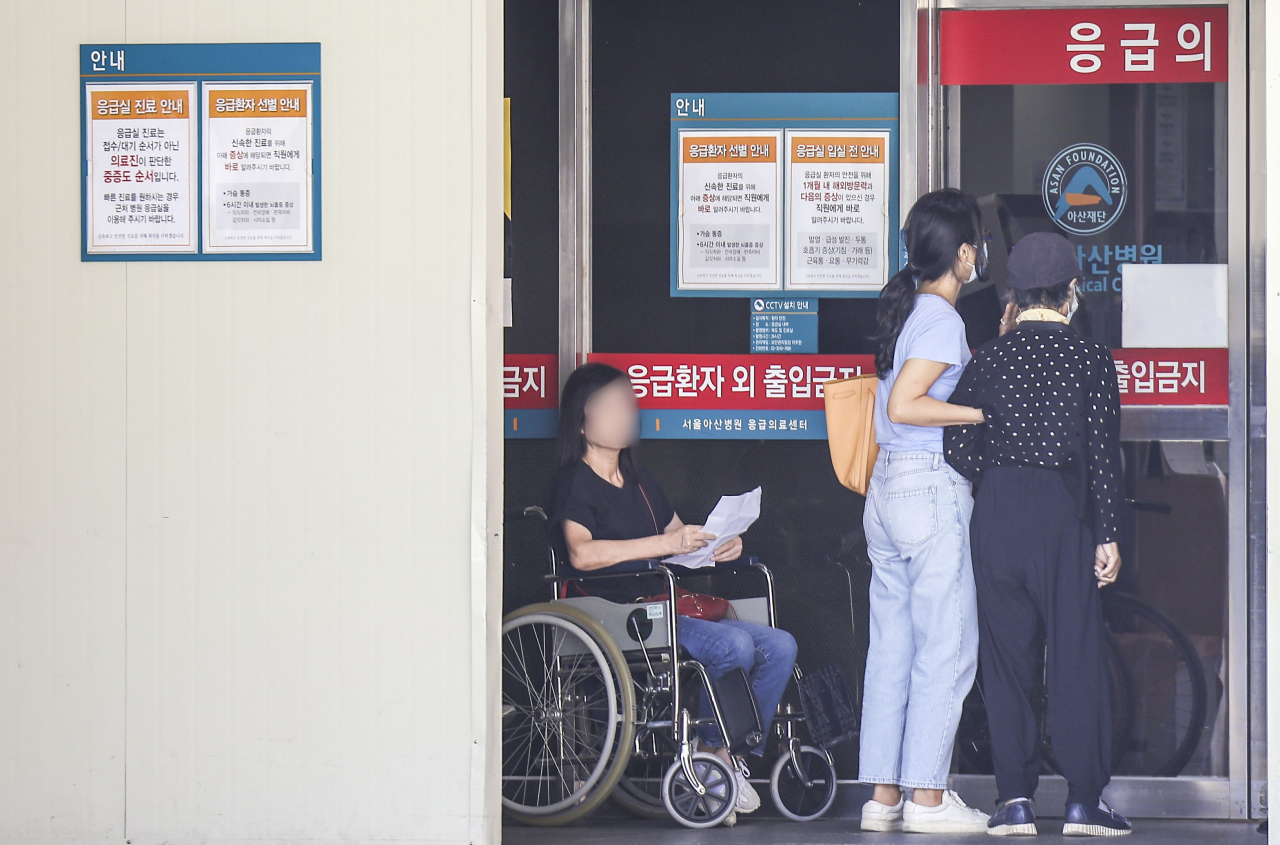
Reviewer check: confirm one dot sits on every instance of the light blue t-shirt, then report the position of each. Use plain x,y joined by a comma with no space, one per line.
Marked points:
935,332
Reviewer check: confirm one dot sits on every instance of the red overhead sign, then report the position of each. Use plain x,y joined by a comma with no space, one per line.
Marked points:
794,382
530,381
1083,46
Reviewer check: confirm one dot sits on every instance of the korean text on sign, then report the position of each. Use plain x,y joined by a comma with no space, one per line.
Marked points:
140,185
1172,376
837,210
257,165
1065,46
729,211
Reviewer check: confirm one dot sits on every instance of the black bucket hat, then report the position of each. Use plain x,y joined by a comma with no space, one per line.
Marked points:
1042,260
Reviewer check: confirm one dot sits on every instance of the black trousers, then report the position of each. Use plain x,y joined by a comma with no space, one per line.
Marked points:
1033,566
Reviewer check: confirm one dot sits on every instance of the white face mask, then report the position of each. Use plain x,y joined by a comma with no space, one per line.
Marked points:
973,268
1075,304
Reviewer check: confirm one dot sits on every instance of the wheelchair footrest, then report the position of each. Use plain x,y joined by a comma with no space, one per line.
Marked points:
742,728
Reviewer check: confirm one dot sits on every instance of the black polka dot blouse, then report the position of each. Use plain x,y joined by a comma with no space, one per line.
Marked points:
1051,400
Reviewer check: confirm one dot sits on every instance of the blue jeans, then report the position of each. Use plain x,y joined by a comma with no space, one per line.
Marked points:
924,619
766,654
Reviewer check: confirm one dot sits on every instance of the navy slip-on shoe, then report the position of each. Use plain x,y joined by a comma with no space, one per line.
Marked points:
1083,820
1015,818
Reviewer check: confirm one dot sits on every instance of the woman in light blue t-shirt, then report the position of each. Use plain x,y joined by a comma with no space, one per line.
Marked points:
923,635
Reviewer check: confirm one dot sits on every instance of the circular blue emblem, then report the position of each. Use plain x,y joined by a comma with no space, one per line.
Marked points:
1084,189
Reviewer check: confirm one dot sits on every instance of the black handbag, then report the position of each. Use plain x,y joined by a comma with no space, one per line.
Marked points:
829,710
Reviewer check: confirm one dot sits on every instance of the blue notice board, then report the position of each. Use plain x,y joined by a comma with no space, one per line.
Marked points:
737,176
200,152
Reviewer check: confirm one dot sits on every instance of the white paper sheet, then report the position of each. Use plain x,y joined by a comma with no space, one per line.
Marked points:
732,516
1176,306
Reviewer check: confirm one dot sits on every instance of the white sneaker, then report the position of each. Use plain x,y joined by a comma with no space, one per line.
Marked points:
748,798
877,816
951,816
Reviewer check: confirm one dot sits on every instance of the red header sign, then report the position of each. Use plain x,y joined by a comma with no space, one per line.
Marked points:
794,382
1172,376
735,382
530,381
1083,46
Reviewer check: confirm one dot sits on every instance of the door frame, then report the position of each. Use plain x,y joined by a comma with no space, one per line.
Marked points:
924,128
923,137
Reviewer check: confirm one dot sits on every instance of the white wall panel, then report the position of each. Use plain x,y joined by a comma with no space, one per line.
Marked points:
242,565
62,449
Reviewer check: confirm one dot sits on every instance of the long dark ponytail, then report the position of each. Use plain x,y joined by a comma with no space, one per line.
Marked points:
937,226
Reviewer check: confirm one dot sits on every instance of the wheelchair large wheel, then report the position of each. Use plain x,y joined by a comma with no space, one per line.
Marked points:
639,790
790,795
713,806
568,714
1169,691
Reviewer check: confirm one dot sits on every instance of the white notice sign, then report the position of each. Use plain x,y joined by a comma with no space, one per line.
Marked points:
257,167
141,185
837,209
729,209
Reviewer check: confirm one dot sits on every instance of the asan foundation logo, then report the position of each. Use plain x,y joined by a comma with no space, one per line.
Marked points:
1084,189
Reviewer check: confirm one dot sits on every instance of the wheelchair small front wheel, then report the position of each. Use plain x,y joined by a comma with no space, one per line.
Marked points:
791,796
713,806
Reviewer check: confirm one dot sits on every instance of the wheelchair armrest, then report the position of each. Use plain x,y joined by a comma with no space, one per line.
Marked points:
741,563
741,566
651,567
654,567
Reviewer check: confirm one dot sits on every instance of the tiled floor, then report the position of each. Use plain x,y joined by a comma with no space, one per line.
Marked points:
776,831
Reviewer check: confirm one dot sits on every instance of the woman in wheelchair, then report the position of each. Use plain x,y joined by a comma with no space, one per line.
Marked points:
605,511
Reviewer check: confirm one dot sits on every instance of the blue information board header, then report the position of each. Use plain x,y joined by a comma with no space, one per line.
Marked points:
783,194
200,152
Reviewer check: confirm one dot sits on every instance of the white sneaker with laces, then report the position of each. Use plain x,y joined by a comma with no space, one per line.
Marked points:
882,817
951,816
748,798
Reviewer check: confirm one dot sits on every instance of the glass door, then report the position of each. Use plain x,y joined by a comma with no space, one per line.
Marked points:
1113,127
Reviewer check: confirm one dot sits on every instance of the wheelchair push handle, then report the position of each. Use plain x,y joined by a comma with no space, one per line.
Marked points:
1151,507
518,512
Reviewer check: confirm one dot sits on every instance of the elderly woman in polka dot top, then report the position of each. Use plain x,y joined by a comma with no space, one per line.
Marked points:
1046,517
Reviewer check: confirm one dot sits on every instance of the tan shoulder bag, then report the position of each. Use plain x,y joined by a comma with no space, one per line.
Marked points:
851,431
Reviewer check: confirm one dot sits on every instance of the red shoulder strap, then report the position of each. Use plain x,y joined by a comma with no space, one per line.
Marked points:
656,529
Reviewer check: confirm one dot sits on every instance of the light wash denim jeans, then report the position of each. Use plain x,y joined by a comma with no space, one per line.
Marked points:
924,619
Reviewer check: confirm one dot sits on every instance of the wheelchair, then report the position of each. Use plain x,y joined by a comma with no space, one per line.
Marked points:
599,702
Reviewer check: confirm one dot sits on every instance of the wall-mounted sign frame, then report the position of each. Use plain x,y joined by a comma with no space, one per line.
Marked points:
729,235
200,152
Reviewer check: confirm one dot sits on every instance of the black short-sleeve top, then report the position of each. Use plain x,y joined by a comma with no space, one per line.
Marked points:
636,509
